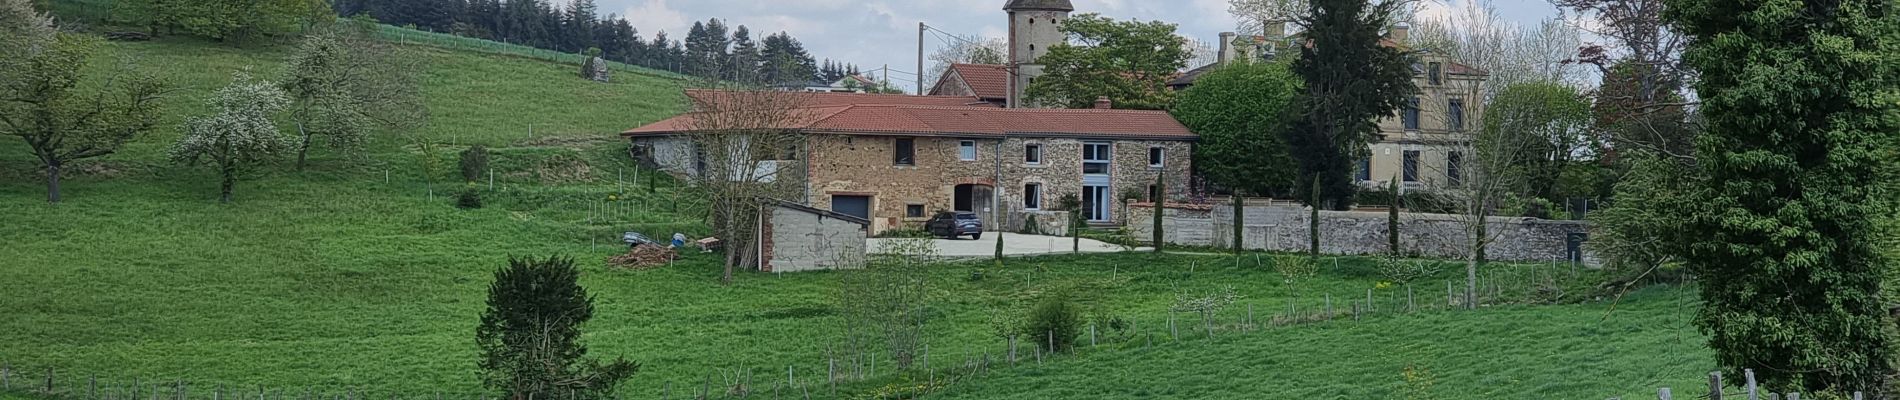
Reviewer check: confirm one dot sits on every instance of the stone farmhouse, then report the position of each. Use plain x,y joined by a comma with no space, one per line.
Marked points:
896,160
970,145
1422,146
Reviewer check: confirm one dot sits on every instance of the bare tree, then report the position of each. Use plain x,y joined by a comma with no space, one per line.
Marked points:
746,148
1644,79
965,49
887,302
1257,15
1478,36
1483,169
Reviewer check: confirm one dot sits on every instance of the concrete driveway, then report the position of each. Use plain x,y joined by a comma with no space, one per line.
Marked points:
1013,245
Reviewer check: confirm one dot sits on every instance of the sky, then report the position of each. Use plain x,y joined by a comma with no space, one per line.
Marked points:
873,33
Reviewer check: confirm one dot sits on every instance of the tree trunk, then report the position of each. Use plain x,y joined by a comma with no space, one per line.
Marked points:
1471,283
52,182
1313,224
1477,253
230,180
303,149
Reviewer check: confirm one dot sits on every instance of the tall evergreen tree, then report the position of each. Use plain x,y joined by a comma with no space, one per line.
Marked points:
744,64
1351,82
785,61
578,26
1800,102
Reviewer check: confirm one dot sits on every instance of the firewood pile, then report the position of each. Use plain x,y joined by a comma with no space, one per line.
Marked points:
643,257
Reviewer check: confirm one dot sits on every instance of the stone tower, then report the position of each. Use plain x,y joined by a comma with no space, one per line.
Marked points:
1033,28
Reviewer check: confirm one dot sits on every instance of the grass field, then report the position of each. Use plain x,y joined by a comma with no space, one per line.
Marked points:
354,274
1514,352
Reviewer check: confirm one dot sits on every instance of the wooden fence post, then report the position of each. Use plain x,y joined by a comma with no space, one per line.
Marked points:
1663,394
1092,334
1410,305
1012,350
6,375
1369,306
1715,385
49,381
1173,331
1329,306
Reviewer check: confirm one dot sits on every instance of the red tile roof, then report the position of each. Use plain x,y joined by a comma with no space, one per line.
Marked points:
701,97
988,81
892,119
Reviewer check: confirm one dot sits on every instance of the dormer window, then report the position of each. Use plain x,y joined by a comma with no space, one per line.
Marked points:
1432,73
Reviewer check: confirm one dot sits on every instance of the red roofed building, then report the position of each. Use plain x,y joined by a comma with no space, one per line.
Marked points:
989,82
897,160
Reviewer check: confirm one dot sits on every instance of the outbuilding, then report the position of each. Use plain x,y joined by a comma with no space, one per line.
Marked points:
796,238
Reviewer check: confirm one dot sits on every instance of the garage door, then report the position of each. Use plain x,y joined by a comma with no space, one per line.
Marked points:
857,206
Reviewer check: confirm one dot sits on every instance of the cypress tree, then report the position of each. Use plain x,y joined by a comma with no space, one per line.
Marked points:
1351,82
1801,110
1161,208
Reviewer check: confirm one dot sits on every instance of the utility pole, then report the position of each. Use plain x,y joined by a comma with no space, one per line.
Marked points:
887,78
920,57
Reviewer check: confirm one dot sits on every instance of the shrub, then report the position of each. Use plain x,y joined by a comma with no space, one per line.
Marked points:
530,335
474,162
469,199
1054,323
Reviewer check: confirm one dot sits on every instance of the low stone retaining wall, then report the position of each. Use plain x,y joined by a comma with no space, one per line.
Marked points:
1285,228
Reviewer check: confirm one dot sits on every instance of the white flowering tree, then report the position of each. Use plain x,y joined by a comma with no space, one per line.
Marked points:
239,135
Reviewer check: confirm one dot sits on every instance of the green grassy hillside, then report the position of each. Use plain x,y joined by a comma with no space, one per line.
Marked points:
358,273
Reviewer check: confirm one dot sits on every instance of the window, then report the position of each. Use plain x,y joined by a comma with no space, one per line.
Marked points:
1455,115
1032,196
1411,165
1365,169
906,152
914,211
1095,158
1455,169
1431,73
1411,114
1156,157
1154,193
966,150
1032,154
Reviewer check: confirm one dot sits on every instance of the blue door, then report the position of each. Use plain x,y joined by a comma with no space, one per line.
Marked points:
856,206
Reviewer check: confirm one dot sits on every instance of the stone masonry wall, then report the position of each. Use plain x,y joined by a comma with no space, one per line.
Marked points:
1285,228
863,166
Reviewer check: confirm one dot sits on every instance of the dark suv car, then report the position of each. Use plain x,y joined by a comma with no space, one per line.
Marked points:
950,225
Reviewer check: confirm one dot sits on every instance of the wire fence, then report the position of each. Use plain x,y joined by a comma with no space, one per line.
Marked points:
408,36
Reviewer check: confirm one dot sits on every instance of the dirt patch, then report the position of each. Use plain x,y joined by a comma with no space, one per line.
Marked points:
643,257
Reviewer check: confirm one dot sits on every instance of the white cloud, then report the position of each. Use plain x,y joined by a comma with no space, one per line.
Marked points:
654,16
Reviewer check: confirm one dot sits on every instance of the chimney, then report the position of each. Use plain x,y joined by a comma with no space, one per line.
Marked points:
1103,103
1399,33
1226,48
